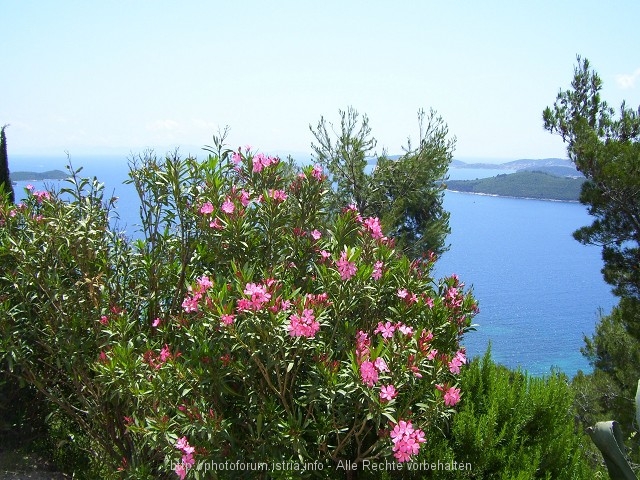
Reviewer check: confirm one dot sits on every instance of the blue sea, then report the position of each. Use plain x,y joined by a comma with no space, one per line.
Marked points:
540,291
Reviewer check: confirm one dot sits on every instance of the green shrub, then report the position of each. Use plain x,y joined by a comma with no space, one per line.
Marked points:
514,426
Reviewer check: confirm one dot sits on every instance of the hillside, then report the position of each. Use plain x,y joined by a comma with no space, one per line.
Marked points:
523,184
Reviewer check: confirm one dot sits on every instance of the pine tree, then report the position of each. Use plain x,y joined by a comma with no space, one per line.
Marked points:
604,144
5,181
405,192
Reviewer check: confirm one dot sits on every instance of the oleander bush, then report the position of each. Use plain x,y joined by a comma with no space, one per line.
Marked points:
247,326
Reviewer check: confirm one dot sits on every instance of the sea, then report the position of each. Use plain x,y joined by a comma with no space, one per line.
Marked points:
540,292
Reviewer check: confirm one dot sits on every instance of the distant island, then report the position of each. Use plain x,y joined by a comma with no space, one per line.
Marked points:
560,167
523,184
38,176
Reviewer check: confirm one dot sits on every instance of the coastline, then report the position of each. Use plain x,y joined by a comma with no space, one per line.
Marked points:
511,196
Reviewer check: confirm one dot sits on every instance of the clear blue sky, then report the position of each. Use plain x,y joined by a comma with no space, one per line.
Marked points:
120,76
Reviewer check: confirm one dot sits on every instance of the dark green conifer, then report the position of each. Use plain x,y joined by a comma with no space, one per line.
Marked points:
5,181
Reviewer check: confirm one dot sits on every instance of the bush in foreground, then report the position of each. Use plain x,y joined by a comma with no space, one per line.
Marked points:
245,327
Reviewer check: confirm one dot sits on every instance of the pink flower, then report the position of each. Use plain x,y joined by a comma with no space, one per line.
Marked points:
316,234
457,361
259,296
405,329
204,283
402,293
244,198
236,158
325,255
156,322
377,270
188,461
215,224
432,354
42,195
227,206
29,187
346,268
278,195
388,393
381,365
261,161
368,373
362,344
190,304
227,319
317,172
386,329
206,208
400,430
182,444
181,471
406,441
304,325
165,353
372,224
461,354
104,320
451,396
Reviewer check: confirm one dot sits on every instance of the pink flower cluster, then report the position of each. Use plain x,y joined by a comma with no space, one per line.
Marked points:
304,325
187,462
317,172
388,393
457,361
278,195
409,297
227,319
157,360
377,270
387,329
206,208
346,268
228,206
41,195
451,395
363,342
368,373
261,161
191,303
258,296
369,370
406,440
372,225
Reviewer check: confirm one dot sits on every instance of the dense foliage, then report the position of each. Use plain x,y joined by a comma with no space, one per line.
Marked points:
524,185
406,193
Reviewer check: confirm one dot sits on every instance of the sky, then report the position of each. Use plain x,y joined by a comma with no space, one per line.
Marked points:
98,77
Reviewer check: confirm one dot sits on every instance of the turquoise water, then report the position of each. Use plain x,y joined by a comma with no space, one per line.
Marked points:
539,290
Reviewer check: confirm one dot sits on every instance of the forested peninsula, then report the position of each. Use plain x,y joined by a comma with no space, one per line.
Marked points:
37,176
523,184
